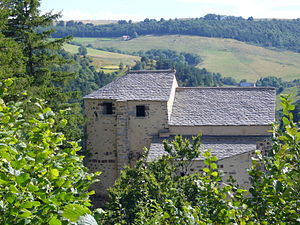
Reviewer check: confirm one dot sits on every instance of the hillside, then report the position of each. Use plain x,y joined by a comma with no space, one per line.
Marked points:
102,60
226,56
276,33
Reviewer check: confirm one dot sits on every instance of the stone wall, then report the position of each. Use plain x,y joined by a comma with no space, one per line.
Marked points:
142,129
101,142
237,165
118,139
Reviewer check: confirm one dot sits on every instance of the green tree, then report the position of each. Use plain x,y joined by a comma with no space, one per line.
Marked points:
276,177
41,182
43,76
82,51
160,191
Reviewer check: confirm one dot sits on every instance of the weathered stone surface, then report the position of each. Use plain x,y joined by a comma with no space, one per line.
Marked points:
223,106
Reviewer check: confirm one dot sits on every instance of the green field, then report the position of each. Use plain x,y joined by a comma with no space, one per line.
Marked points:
102,60
226,56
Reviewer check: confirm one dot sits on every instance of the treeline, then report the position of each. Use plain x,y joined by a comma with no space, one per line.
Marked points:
275,33
276,82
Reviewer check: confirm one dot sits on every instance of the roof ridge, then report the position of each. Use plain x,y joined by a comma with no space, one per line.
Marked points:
151,71
251,88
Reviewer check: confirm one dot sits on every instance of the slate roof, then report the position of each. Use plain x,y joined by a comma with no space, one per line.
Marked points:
153,85
223,106
221,146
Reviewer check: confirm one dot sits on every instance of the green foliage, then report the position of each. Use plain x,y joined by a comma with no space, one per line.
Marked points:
82,51
37,60
276,188
41,176
160,192
183,152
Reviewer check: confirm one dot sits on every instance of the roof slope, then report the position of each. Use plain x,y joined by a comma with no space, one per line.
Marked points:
223,106
221,146
153,85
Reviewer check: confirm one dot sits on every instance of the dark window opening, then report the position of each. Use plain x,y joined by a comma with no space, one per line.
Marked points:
107,108
140,111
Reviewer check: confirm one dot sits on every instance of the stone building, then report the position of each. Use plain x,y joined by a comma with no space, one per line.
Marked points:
143,108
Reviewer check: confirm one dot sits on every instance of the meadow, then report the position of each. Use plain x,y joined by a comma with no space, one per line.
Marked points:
102,60
226,56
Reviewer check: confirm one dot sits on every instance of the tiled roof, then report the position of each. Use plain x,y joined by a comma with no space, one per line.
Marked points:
221,146
223,106
153,85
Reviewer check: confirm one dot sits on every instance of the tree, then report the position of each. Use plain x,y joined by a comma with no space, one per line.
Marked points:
41,182
43,76
160,192
61,23
275,189
82,51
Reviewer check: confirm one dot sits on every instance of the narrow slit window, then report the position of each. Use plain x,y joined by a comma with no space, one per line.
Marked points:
140,111
107,108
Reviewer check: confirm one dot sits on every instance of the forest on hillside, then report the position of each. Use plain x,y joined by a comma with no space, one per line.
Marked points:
268,33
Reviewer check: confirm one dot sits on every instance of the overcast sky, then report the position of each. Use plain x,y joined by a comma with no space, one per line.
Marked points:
155,9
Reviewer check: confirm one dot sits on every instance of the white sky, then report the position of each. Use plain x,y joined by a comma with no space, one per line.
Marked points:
141,9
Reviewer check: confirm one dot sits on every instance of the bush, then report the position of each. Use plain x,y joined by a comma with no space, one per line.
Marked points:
39,179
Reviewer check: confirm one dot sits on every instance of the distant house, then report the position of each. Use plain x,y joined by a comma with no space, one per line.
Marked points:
144,108
125,37
247,84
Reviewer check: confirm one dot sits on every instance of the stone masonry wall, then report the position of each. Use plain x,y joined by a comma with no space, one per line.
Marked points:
101,142
118,139
236,166
142,129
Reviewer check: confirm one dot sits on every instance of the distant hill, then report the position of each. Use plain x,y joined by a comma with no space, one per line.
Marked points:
268,33
105,61
226,56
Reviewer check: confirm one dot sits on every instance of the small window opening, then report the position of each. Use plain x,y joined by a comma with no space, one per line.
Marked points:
140,111
107,108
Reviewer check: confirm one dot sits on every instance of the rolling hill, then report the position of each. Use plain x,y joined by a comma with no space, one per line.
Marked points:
102,60
226,56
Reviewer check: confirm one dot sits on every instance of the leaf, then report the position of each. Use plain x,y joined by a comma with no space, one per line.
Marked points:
74,211
63,122
54,221
206,170
26,214
8,82
213,166
214,158
207,154
214,174
21,179
54,173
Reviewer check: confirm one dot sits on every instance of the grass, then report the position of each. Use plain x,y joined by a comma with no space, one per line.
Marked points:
102,60
226,56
